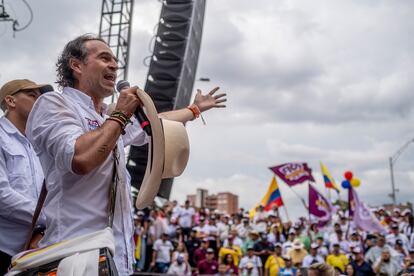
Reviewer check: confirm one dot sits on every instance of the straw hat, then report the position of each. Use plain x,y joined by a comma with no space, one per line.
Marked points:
168,152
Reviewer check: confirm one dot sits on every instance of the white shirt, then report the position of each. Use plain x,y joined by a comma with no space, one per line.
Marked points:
78,204
182,269
392,239
21,179
309,260
163,249
204,230
186,217
255,260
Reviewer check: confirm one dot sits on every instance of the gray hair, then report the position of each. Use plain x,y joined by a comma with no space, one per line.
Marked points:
73,49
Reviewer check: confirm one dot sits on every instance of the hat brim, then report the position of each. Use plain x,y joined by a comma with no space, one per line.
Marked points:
156,155
43,88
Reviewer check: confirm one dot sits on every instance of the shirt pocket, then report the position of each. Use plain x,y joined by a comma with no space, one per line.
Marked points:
17,163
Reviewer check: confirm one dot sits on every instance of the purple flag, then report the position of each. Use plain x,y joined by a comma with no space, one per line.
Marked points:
293,173
363,217
320,207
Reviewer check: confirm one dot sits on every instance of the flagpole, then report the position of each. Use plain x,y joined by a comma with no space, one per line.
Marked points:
286,212
301,198
309,214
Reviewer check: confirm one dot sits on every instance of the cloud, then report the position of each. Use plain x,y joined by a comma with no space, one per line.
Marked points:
306,81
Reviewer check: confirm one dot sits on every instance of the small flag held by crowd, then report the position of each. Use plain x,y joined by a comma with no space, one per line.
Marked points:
271,198
328,179
319,207
293,173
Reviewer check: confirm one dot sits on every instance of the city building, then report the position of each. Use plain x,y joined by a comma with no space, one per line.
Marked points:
224,201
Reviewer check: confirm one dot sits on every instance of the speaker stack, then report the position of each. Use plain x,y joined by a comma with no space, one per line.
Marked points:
172,71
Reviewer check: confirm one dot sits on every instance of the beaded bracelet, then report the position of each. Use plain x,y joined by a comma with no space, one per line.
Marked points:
119,122
121,118
196,111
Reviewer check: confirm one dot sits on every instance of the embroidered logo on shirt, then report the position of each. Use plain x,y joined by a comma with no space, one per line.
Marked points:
92,124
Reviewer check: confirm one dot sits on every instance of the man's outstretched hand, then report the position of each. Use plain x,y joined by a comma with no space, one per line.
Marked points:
210,100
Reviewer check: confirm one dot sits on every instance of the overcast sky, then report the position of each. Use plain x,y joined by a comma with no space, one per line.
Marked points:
307,81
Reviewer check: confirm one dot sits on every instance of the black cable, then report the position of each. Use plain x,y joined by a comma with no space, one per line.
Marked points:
16,23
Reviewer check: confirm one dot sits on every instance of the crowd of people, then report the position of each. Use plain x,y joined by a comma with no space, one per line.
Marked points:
184,240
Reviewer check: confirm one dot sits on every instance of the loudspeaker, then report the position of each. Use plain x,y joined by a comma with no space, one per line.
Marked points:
171,72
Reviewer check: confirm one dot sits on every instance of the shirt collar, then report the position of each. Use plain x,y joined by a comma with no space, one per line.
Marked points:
8,126
82,98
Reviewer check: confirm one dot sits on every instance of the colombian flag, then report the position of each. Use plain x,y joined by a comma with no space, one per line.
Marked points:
270,199
328,179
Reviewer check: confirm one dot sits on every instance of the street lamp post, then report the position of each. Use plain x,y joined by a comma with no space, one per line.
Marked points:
392,161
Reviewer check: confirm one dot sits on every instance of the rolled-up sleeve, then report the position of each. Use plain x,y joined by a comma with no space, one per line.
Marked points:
134,135
53,128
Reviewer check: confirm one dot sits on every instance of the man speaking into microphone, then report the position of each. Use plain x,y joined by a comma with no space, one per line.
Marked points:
74,139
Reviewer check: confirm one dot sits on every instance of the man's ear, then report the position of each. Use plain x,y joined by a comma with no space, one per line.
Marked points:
9,101
75,64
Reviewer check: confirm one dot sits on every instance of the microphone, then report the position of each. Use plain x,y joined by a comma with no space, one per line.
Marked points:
139,112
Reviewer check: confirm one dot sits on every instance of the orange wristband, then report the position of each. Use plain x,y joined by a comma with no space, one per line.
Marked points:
196,111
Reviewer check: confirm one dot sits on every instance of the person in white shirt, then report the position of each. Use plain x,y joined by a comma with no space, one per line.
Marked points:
21,174
243,229
224,227
313,256
250,258
76,140
186,218
396,235
322,250
289,242
202,229
161,256
179,267
175,210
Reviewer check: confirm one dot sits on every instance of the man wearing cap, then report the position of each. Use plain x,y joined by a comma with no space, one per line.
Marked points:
374,253
179,267
405,225
361,267
78,143
313,256
200,253
161,256
274,262
263,248
337,259
250,258
21,174
322,250
289,269
396,235
208,266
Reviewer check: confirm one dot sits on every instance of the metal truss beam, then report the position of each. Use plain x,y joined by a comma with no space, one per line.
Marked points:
115,28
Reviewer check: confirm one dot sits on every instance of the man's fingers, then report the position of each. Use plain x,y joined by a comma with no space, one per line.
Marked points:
220,105
220,96
214,90
221,101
